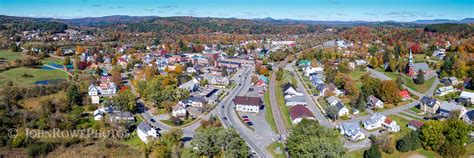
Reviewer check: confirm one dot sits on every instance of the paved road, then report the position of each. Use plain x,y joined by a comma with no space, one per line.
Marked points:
313,104
256,141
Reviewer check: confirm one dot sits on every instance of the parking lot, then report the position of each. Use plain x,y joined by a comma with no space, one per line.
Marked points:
260,125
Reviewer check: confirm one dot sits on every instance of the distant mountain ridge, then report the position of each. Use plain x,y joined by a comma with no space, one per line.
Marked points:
125,19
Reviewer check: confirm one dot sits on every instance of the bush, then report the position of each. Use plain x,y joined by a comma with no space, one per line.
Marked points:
38,149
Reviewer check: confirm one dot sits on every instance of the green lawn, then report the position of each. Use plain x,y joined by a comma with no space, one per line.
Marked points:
272,147
133,141
268,111
52,61
412,117
356,75
16,75
281,103
409,81
10,56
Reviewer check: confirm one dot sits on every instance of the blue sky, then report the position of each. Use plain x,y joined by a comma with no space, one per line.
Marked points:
344,10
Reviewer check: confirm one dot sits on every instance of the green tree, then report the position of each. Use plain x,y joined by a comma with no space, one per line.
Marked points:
373,152
215,141
309,139
409,142
389,92
431,135
224,71
203,82
420,77
73,95
67,60
125,100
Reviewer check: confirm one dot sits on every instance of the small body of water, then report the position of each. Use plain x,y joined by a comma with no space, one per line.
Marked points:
58,66
46,82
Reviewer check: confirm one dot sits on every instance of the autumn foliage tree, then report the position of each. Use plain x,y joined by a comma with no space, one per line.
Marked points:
390,92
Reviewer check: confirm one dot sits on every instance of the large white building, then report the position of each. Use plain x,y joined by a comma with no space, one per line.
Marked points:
247,104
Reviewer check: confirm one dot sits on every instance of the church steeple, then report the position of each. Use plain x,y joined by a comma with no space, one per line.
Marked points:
409,69
410,59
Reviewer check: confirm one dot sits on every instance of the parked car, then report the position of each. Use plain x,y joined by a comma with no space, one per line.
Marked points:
245,116
152,120
246,120
250,123
224,118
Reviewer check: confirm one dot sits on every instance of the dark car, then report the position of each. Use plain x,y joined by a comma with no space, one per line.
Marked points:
222,106
152,120
250,89
250,123
245,116
240,84
224,118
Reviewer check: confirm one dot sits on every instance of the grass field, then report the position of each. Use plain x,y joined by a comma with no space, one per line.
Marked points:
34,103
52,61
16,75
268,111
272,147
10,56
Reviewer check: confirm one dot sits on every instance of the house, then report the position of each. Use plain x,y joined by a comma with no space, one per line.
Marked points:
430,105
260,83
178,111
360,62
450,81
405,95
332,100
375,121
290,92
95,99
191,70
217,80
447,108
341,109
93,90
374,102
415,125
468,117
191,85
304,63
247,104
390,125
300,112
194,101
98,115
121,116
351,131
144,132
100,112
441,91
467,97
308,71
297,100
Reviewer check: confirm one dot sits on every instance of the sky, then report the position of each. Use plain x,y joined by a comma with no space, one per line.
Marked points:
326,10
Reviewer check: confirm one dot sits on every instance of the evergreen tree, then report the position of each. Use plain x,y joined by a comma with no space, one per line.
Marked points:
420,77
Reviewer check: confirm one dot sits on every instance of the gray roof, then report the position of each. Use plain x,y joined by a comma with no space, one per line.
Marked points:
339,105
431,102
450,106
373,119
332,99
143,127
422,66
351,128
296,99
